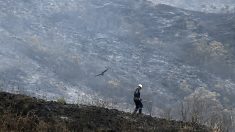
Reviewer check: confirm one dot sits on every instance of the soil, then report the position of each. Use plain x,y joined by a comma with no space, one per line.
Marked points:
23,113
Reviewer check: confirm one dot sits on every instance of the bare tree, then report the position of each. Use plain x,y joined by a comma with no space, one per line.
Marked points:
183,111
203,107
167,113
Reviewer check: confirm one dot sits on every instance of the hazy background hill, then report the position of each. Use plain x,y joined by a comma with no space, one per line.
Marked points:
208,6
53,49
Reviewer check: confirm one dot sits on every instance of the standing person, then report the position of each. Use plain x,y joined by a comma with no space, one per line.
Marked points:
137,100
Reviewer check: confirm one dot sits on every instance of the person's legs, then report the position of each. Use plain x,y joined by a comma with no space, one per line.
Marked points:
136,107
140,107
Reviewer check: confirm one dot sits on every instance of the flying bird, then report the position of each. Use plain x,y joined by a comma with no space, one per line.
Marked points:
102,73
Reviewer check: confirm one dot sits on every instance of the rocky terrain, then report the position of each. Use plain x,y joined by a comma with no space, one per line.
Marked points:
23,113
53,49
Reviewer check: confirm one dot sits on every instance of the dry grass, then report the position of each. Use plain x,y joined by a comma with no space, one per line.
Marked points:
20,123
20,113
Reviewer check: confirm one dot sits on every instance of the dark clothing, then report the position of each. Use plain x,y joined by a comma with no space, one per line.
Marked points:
137,94
137,100
138,104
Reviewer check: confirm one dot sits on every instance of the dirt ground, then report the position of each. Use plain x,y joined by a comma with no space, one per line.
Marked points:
23,113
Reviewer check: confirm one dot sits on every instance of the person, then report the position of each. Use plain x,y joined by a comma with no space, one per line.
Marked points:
137,100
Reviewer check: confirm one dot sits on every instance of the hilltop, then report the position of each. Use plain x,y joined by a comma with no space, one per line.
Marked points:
23,113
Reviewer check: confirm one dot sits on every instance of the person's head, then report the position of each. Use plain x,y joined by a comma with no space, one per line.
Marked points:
140,86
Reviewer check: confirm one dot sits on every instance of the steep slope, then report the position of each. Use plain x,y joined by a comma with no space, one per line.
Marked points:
52,49
31,114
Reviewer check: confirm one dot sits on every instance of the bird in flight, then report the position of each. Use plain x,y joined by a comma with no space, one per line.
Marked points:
102,73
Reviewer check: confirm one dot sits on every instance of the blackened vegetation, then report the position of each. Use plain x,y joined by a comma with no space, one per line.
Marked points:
22,113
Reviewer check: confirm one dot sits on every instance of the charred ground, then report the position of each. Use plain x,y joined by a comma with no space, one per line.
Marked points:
23,113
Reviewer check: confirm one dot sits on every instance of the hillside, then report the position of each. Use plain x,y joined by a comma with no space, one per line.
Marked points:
184,59
23,113
212,6
49,49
